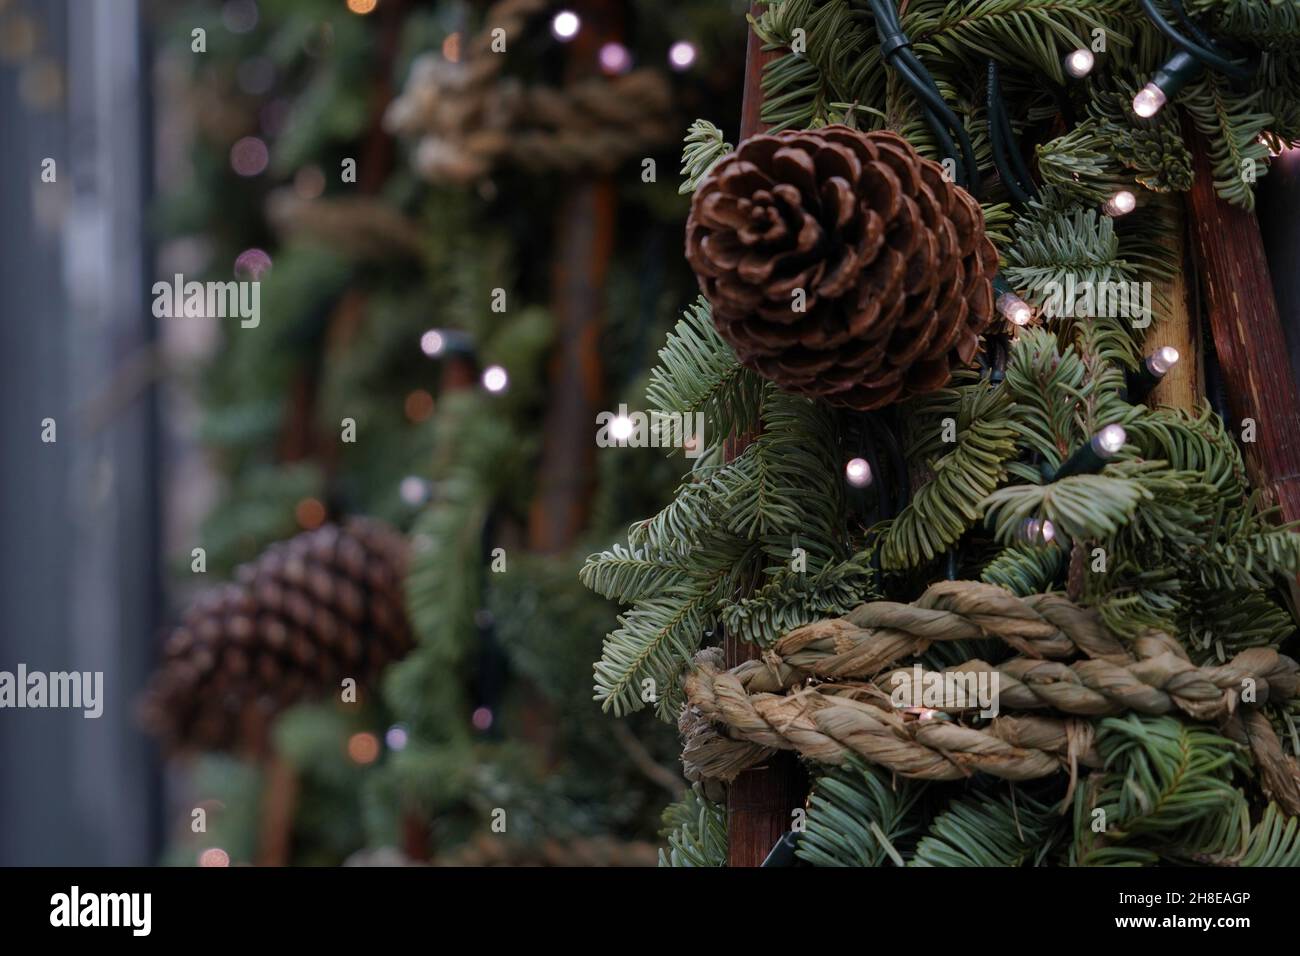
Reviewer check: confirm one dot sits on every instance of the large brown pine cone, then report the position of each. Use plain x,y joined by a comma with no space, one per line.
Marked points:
308,612
891,259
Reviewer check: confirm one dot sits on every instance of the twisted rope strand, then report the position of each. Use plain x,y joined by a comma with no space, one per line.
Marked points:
737,718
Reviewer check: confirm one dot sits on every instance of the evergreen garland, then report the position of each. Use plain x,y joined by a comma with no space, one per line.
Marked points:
1165,535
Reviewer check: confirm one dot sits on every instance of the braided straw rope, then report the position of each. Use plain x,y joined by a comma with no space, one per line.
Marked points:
469,117
830,721
828,727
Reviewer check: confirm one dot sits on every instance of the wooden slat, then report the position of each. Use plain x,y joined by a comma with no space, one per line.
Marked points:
760,800
1184,385
1248,336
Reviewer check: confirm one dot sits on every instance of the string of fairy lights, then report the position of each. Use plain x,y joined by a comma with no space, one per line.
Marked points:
614,58
1196,53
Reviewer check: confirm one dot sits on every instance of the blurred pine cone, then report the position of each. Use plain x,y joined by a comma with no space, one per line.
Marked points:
892,261
307,613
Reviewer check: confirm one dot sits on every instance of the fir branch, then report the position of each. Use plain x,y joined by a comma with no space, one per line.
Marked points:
858,816
1032,33
1232,127
1161,778
655,642
790,599
949,504
704,148
1024,570
1079,506
698,372
695,829
1009,830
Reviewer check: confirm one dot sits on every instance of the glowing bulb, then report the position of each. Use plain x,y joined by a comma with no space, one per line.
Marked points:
857,472
615,58
414,490
565,25
621,428
681,55
1162,360
1110,440
1148,101
396,737
1037,531
495,378
1121,204
362,7
1080,63
1015,309
432,343
482,718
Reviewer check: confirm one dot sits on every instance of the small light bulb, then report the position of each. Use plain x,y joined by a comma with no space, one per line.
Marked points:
1014,309
1037,531
432,343
1110,440
681,55
1121,204
1162,360
1148,101
857,472
565,25
495,378
621,428
1080,63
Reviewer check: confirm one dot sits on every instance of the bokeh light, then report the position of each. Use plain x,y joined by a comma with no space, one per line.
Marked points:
615,58
214,856
451,47
239,16
363,748
681,55
362,6
249,156
309,513
414,490
309,182
432,343
621,428
482,718
252,264
418,405
565,25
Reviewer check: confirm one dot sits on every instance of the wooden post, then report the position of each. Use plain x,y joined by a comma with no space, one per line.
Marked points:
1248,337
1184,384
760,800
584,243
